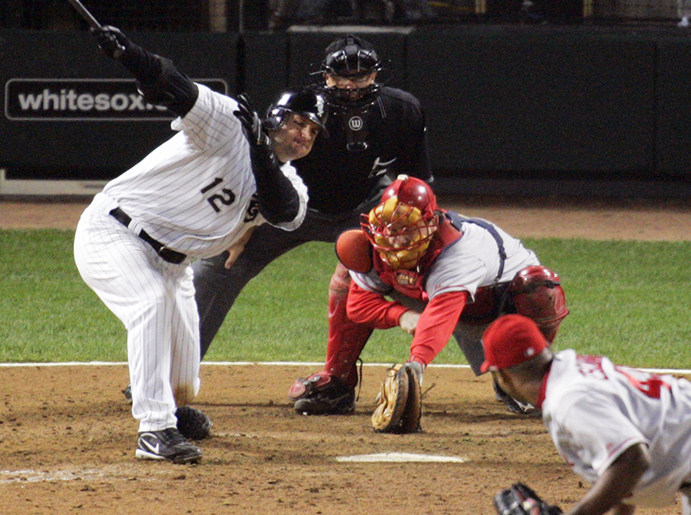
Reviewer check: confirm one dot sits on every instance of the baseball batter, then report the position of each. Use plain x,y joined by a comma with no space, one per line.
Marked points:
195,196
446,274
625,431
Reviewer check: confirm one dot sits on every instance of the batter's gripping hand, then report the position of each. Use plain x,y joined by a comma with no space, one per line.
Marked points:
111,41
251,122
522,500
399,403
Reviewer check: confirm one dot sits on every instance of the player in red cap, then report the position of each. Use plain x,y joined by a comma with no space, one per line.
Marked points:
625,431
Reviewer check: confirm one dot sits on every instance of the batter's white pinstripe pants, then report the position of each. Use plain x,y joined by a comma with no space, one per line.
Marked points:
155,301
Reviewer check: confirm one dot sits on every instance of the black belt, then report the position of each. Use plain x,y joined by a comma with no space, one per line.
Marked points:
167,254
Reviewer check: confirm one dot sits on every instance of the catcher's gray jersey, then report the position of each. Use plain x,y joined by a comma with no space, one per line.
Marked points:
466,264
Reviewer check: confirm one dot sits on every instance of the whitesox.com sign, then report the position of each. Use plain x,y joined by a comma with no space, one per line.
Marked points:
85,100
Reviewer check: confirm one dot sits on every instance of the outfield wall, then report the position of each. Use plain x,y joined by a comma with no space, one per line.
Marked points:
582,110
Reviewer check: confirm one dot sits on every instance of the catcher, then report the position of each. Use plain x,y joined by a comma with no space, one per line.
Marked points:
446,274
625,431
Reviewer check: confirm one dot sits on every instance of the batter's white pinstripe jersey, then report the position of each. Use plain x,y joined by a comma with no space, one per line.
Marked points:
194,193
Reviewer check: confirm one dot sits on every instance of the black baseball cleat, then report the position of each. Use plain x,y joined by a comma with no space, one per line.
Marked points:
169,445
127,392
329,402
514,405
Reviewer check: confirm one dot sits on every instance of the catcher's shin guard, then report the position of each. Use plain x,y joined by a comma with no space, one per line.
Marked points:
332,391
346,338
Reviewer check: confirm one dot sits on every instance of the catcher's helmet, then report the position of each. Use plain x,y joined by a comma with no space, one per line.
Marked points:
302,101
402,226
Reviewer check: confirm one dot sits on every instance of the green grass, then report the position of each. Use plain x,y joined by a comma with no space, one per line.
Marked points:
628,300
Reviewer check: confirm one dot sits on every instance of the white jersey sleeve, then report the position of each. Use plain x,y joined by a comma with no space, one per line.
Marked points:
210,120
595,410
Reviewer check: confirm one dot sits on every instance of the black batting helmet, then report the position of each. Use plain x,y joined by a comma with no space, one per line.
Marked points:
350,56
303,101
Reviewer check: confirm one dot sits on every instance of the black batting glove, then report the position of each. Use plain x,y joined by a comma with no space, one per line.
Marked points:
111,41
251,122
278,200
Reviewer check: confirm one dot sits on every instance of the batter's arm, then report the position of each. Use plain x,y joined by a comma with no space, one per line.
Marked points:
279,201
159,82
617,482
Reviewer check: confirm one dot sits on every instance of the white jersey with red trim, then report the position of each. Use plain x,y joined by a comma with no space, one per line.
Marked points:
466,264
195,192
595,410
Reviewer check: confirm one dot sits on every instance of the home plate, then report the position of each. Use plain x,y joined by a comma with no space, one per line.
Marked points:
392,457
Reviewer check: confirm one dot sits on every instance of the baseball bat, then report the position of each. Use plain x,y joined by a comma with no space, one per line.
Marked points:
93,22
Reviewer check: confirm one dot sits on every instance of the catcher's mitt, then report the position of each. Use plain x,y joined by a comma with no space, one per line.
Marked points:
399,403
192,423
519,499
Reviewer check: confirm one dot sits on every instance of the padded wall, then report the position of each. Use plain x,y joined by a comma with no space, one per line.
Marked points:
501,100
52,128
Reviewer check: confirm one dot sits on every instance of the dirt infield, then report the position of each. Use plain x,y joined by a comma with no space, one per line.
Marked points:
67,438
67,446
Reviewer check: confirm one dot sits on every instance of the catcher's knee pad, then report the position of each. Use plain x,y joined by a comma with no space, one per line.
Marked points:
322,394
536,293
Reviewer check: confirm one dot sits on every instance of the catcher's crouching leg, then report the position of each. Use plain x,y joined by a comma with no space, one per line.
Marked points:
322,394
399,403
332,391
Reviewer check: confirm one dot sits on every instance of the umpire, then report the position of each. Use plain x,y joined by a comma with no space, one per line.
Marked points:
375,133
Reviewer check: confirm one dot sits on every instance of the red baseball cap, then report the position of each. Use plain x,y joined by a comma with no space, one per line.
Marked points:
509,341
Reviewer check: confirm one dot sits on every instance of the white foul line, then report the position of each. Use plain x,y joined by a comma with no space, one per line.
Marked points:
679,371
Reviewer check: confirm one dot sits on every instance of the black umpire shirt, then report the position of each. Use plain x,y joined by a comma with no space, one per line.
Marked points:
339,180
